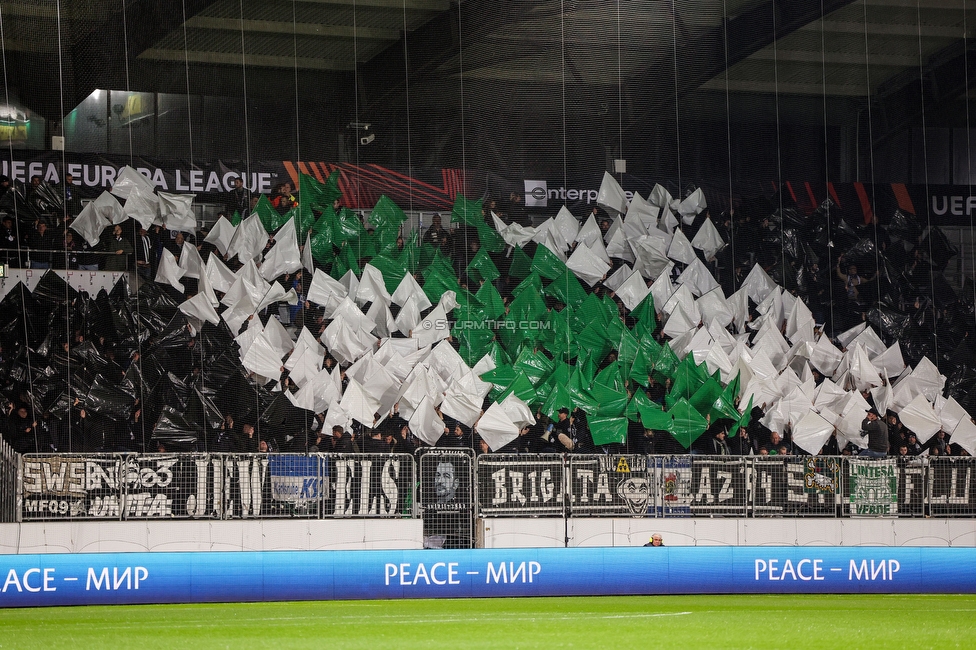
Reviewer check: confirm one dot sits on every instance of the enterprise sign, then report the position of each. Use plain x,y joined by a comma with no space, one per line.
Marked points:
123,578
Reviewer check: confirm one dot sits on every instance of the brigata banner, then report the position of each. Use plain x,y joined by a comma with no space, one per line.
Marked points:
124,578
510,484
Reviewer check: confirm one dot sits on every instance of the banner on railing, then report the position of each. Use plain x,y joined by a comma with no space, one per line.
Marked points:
610,485
366,485
809,485
215,486
952,491
513,485
719,486
873,486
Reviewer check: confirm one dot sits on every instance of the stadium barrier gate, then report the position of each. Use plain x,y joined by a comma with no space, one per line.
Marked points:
447,505
450,488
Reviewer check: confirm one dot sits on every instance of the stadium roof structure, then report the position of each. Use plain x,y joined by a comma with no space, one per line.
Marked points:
621,66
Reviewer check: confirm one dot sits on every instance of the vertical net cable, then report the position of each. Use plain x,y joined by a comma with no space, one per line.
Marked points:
728,135
562,81
620,100
64,194
823,74
298,154
137,241
925,163
779,152
406,91
969,151
247,128
677,119
868,92
10,145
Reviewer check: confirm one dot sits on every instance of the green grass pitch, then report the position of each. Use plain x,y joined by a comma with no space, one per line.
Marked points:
869,621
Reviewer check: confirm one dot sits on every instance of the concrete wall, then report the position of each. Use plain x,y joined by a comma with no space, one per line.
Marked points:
353,534
525,533
254,535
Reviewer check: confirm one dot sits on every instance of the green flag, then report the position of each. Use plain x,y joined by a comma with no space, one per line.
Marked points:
534,364
558,398
236,219
521,387
481,268
688,424
386,213
492,301
652,416
270,218
521,264
644,313
608,430
436,282
322,249
393,271
490,240
546,264
532,283
503,375
466,212
566,289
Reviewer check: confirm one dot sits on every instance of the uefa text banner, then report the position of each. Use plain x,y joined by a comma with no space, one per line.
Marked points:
952,487
518,485
807,485
131,578
366,485
610,486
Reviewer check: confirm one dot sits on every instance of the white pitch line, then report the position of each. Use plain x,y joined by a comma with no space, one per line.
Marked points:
394,619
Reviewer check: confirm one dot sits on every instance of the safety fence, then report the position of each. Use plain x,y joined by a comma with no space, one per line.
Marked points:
729,486
449,488
216,486
9,461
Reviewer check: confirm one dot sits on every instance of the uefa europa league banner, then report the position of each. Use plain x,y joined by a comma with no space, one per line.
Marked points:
126,578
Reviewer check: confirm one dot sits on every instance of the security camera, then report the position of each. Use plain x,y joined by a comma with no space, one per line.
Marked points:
366,140
360,125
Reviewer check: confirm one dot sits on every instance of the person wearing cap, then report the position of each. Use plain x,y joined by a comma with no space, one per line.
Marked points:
561,432
656,540
876,431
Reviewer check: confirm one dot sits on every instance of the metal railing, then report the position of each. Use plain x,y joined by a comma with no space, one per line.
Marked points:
9,465
216,486
449,488
724,486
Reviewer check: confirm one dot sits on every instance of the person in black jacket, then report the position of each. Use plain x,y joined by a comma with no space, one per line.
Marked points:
876,432
247,441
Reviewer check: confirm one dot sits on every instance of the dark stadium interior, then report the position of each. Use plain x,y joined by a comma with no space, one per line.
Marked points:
832,139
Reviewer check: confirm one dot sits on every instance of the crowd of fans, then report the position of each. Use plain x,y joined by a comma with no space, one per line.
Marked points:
113,373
